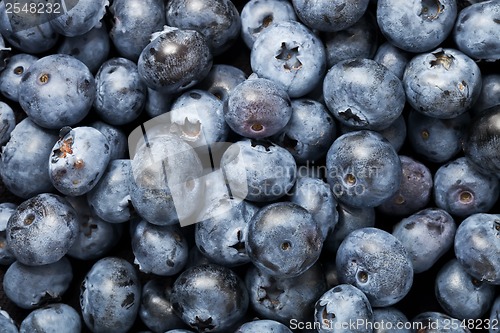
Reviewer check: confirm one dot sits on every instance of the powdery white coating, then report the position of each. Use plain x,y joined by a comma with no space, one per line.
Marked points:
57,317
10,77
80,18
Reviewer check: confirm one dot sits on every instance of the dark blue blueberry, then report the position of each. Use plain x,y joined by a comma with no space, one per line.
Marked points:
489,96
6,211
10,77
443,83
157,103
390,320
291,55
363,94
416,25
426,235
23,162
78,160
116,138
461,189
30,287
6,323
377,263
476,31
263,326
461,295
80,18
393,58
110,296
58,317
477,248
437,140
436,322
57,90
363,169
7,122
161,250
258,15
221,81
340,305
283,239
120,93
209,298
42,229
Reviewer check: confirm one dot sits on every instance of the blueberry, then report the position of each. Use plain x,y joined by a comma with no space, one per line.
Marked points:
377,263
60,84
283,239
30,287
476,31
133,23
52,318
285,299
390,320
10,77
116,138
157,103
263,325
363,94
7,122
6,211
461,295
120,93
161,250
7,324
78,160
443,83
291,55
80,18
426,235
258,15
23,162
363,169
393,58
110,296
343,304
218,20
436,322
476,247
221,81
416,26
494,316
490,93
209,298
42,229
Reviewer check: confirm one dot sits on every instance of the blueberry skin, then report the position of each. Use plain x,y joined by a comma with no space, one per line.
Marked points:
118,142
7,122
120,93
257,108
291,55
222,236
221,81
363,169
91,48
23,167
342,304
330,15
426,236
258,15
174,172
476,33
78,160
316,197
494,315
283,239
461,189
6,211
437,140
179,331
209,298
156,311
80,19
461,295
218,20
30,287
436,322
110,296
263,325
393,58
42,229
390,315
416,26
258,171
110,198
414,192
157,103
161,250
10,77
310,131
197,117
357,41
443,83
61,84
175,60
285,299
489,96
377,263
52,318
134,22
363,94
476,247
7,324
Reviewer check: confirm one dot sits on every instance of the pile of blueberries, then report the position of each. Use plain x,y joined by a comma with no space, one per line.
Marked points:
249,166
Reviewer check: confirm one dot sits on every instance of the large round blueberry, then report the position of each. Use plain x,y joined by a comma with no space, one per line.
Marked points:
80,18
59,317
10,77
